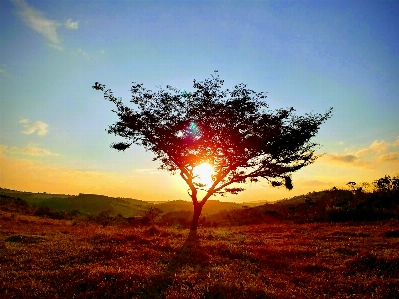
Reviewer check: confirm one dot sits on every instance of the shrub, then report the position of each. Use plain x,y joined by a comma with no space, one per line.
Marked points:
152,213
104,218
177,218
373,266
392,234
50,213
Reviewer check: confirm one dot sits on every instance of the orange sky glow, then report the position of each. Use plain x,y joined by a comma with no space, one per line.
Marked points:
361,165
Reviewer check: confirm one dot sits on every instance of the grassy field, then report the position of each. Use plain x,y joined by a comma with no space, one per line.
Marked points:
45,258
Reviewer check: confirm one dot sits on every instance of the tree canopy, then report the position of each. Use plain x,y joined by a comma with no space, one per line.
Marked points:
232,130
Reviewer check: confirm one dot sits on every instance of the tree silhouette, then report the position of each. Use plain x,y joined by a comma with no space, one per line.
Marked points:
232,130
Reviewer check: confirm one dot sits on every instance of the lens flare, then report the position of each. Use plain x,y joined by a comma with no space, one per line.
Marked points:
193,129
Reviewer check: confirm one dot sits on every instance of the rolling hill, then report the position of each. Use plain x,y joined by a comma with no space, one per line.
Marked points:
127,207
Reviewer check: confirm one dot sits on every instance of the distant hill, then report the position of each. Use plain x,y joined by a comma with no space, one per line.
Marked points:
31,198
127,207
85,203
333,205
311,207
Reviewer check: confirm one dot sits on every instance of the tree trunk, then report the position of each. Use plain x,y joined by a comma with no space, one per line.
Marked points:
197,214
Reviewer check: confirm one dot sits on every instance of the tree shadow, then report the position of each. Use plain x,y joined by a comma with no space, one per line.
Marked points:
191,254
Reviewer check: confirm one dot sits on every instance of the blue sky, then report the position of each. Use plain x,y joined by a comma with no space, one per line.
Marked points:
310,55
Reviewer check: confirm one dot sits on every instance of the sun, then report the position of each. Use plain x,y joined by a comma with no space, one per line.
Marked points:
204,172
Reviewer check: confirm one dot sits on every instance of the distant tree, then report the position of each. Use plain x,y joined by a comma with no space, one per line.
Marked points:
351,185
387,191
387,184
232,130
152,213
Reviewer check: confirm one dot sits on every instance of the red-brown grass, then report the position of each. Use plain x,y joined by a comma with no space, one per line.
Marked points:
46,258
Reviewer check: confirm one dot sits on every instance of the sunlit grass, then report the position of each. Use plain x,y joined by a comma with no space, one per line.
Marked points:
43,258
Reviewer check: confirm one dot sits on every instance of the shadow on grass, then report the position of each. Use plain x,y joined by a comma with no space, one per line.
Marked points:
191,256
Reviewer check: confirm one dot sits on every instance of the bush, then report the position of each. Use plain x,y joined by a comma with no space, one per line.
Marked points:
104,218
50,213
177,218
392,234
10,203
152,213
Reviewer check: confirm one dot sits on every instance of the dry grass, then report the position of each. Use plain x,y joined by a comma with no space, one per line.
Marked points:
43,258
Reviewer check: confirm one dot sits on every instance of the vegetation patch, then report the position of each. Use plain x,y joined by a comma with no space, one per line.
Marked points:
25,239
392,234
373,265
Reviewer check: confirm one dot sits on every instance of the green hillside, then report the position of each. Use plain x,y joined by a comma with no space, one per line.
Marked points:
333,205
85,203
94,204
127,207
30,197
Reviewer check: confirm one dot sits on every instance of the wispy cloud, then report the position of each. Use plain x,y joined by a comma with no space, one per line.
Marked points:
148,170
36,20
71,25
31,150
378,152
312,183
38,127
391,157
83,53
4,71
342,158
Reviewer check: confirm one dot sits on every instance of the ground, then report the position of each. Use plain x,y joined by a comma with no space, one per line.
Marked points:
45,258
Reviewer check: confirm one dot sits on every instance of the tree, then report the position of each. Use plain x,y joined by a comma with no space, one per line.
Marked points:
387,184
387,191
152,213
232,130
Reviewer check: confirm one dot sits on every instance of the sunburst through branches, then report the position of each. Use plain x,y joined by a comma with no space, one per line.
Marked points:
203,174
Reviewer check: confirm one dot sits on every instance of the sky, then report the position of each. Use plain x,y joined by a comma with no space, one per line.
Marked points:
310,55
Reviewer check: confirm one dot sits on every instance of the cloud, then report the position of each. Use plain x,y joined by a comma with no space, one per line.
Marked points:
377,152
379,146
83,53
30,150
36,20
56,47
389,157
342,158
71,25
3,148
147,170
38,127
4,71
312,183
